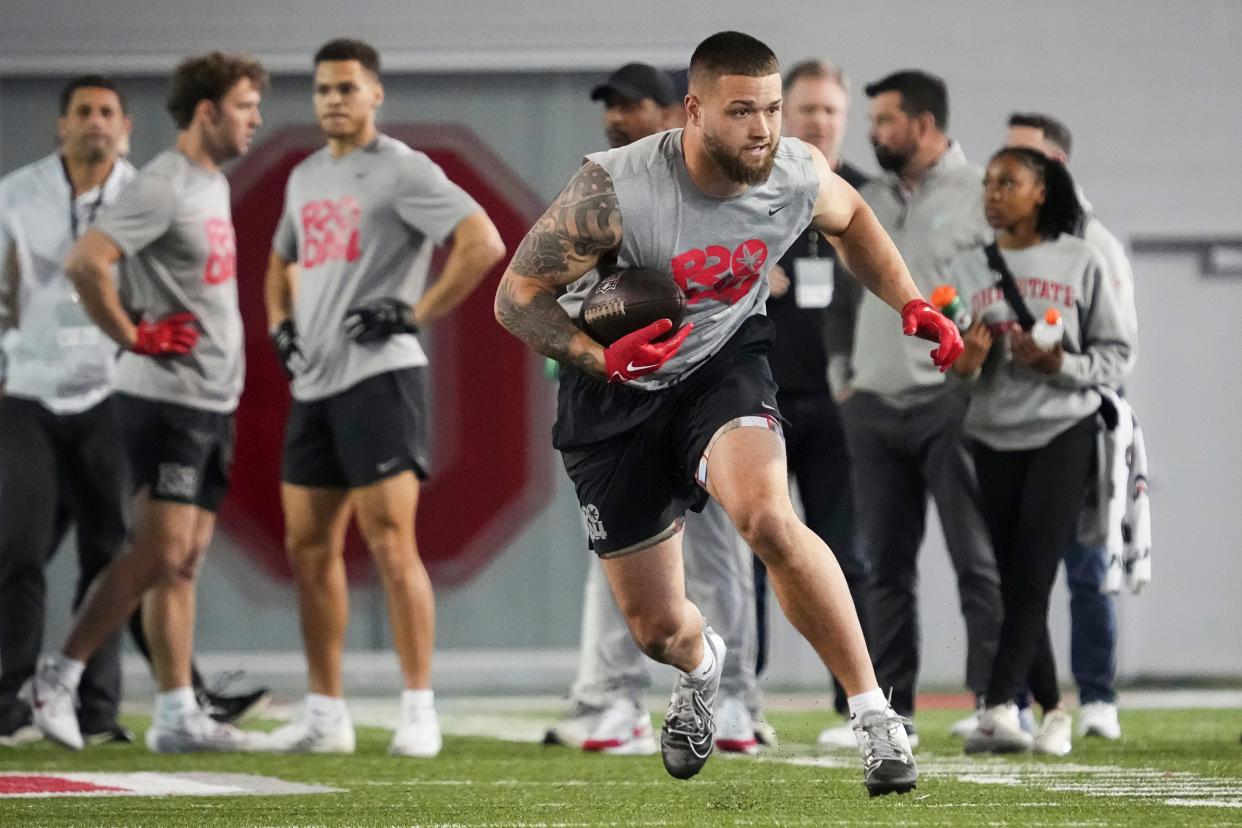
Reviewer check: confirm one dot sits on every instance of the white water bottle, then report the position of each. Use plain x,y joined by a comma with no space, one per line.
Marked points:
1048,331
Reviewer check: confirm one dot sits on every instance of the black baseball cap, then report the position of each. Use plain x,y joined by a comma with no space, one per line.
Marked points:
636,81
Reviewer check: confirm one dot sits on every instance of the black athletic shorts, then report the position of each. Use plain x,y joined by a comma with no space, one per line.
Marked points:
372,430
183,454
637,458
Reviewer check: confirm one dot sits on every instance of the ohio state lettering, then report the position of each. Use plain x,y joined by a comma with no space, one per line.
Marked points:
222,252
718,273
330,231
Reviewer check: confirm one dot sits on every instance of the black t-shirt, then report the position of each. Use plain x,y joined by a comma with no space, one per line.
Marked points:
806,336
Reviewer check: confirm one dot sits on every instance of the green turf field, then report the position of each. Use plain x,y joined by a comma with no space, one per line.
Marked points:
1191,756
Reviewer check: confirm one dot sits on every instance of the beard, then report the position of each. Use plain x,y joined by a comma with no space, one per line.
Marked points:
893,160
734,168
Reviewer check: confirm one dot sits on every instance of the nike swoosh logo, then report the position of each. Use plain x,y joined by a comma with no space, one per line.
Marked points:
768,407
632,367
774,210
388,465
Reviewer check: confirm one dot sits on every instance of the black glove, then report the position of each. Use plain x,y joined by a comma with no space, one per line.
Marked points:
285,339
377,320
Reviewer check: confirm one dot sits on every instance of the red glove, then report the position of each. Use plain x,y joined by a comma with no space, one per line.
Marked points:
635,354
920,319
174,334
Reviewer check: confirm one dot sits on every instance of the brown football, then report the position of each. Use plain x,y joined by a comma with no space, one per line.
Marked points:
626,300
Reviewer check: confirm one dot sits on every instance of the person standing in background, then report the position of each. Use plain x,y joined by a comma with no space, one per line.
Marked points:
59,454
812,305
902,421
1032,415
177,384
1093,620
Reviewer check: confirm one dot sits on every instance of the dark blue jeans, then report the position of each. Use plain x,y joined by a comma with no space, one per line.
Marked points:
1093,624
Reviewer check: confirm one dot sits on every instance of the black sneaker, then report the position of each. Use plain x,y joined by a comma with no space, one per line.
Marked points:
231,708
888,763
17,728
106,733
688,735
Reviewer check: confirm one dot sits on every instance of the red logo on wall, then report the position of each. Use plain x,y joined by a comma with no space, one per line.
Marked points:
717,273
221,252
489,477
330,231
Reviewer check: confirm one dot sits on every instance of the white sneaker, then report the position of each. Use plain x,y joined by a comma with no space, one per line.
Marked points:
417,733
1099,719
623,729
573,729
1026,720
1054,736
313,733
197,732
26,734
735,730
964,727
840,737
52,705
999,732
765,734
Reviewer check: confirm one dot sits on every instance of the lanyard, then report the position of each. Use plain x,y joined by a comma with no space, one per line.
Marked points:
73,202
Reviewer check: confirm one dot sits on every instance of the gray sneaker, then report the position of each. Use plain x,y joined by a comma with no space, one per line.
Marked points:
888,762
687,738
197,732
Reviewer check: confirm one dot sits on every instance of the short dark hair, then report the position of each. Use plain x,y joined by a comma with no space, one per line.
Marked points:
920,92
209,77
731,53
344,48
816,70
1054,130
88,82
1061,211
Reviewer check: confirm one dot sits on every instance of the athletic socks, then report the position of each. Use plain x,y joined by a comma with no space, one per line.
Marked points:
172,707
326,708
66,670
866,702
699,674
418,699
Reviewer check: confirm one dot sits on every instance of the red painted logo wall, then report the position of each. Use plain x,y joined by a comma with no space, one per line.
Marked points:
489,437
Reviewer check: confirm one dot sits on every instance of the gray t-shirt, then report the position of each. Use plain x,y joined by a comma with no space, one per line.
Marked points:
718,250
361,227
1014,408
175,228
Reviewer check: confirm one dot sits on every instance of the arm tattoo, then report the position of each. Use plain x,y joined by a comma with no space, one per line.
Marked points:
581,225
543,324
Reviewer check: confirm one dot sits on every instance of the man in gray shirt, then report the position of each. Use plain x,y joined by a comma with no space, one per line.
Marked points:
178,382
345,298
903,423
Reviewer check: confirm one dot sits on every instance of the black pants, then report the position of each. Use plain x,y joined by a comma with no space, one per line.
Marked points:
46,460
899,456
1031,500
818,460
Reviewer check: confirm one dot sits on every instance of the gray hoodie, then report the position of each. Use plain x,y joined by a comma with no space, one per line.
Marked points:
1014,408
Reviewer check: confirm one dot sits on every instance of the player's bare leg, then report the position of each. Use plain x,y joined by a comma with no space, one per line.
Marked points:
748,475
746,472
386,512
168,607
650,589
315,524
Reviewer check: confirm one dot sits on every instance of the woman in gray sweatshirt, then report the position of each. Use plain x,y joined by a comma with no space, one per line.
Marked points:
1032,418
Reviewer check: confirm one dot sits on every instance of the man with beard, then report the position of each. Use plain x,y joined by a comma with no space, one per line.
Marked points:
903,422
178,381
652,425
607,712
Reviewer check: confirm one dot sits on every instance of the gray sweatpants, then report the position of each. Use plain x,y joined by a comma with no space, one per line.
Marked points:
900,455
719,580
